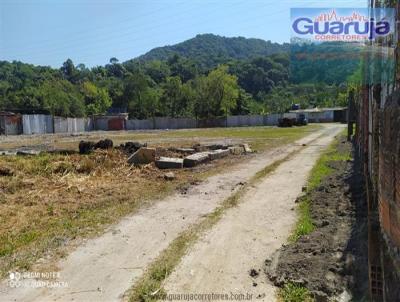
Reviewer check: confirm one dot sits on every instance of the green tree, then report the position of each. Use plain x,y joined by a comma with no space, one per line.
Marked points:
177,98
61,98
216,94
243,103
223,90
141,96
69,72
97,99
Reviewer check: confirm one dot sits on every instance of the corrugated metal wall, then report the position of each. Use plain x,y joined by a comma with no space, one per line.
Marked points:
174,123
319,117
272,119
101,123
245,120
10,124
139,124
41,124
88,124
69,124
37,124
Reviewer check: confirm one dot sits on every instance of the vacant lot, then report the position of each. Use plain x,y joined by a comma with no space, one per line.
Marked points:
50,201
259,137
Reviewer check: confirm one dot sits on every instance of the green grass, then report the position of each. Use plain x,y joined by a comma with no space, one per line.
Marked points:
295,293
304,224
260,137
320,170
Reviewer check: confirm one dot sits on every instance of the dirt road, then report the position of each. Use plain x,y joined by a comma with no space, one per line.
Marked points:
102,269
225,257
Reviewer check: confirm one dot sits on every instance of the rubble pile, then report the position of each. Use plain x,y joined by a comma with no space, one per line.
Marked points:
86,147
178,158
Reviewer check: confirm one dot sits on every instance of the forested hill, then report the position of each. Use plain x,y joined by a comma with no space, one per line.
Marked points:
209,50
207,76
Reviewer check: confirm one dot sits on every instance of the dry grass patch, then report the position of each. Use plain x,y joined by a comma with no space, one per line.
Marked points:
53,199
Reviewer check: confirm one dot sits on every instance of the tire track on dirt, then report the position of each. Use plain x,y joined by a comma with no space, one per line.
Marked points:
221,261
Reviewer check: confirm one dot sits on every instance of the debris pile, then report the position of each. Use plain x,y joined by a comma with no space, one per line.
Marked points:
131,147
86,147
140,154
5,171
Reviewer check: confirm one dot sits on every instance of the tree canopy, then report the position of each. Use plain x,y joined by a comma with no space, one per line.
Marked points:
208,76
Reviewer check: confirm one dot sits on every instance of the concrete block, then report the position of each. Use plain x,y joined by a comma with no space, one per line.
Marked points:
28,152
169,176
200,148
216,146
169,163
185,150
247,148
143,156
236,150
8,153
218,154
195,159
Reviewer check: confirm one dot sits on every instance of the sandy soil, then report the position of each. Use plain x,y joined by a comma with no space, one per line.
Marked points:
332,261
225,257
102,269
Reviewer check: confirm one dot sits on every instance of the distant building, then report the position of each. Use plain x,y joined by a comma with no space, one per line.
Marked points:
323,115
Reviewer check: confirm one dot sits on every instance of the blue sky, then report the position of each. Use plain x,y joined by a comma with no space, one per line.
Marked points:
47,32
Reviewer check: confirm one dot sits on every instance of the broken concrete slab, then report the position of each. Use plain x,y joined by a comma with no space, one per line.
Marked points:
143,156
195,159
218,154
216,146
28,152
184,150
200,148
8,153
169,163
236,150
247,148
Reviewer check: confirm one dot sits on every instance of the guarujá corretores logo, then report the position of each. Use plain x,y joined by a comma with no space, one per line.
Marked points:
341,24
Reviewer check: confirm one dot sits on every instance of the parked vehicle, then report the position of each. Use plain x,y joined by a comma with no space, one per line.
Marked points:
291,119
301,120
